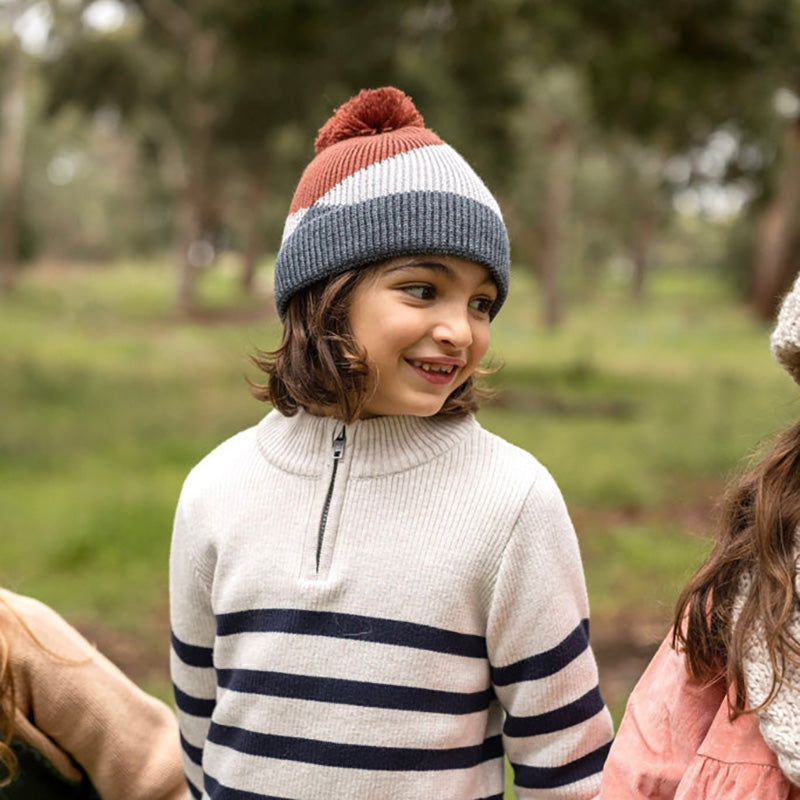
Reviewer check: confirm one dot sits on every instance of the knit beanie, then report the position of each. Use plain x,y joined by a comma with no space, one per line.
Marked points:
383,185
785,339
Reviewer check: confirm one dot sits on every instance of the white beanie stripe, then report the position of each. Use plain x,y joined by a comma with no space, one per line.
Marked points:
432,168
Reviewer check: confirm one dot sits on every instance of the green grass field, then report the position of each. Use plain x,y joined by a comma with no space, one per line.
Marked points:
107,400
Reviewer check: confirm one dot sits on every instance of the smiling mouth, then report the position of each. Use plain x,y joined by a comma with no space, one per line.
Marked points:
440,369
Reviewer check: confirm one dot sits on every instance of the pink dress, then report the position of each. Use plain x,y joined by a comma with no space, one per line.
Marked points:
676,742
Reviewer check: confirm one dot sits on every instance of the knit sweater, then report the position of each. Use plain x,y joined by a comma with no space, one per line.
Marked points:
383,624
779,720
79,722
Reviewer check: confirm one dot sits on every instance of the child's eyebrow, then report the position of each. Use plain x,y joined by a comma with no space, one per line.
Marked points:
435,266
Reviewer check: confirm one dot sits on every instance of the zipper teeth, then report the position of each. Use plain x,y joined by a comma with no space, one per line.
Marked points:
338,452
326,508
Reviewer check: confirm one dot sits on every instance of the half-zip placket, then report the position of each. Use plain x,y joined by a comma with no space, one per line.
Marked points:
338,452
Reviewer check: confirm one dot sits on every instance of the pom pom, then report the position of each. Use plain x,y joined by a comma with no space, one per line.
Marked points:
370,112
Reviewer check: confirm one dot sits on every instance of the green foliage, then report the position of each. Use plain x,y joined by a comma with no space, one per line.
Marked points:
649,395
100,71
644,61
222,101
109,401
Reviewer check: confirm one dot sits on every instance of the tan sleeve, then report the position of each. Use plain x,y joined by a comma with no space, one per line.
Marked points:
125,740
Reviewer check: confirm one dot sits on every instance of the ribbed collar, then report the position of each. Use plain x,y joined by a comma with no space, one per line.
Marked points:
303,444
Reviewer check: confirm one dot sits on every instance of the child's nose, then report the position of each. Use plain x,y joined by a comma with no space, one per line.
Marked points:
454,329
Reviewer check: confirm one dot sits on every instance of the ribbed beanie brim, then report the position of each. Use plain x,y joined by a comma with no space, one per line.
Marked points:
382,185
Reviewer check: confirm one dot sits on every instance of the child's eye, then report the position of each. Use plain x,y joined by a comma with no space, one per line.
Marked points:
422,291
482,304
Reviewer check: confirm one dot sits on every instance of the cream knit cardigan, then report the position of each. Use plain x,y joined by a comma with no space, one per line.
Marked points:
384,634
779,722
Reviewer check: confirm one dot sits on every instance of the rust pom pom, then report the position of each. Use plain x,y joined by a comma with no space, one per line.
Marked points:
370,112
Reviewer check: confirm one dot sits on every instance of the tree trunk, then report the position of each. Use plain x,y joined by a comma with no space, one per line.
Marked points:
12,144
199,200
254,226
643,237
774,267
557,199
187,274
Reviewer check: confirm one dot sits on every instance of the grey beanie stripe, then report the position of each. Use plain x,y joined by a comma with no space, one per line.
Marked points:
381,186
332,240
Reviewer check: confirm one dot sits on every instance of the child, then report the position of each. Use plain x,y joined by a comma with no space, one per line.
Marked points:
73,726
717,713
372,597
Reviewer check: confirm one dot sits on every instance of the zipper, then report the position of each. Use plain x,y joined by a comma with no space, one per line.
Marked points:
338,452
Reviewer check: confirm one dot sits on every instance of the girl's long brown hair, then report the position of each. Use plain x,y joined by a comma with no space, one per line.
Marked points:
319,364
756,537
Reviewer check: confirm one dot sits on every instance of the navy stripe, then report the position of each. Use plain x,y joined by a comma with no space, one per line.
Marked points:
192,654
552,777
559,719
548,663
351,626
193,790
354,693
195,753
354,756
196,706
218,791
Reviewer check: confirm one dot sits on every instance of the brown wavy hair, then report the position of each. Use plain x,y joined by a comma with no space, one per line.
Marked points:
321,367
756,537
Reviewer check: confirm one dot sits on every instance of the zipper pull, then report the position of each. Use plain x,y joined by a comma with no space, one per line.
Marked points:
338,445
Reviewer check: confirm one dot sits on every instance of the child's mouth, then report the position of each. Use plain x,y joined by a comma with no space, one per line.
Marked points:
444,369
440,374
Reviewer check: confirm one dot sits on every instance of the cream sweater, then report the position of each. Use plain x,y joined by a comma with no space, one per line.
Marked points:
779,721
384,624
80,712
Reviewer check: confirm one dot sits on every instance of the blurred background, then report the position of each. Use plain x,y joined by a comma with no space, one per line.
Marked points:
647,159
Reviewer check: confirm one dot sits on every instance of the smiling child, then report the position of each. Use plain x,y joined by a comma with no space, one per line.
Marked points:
372,597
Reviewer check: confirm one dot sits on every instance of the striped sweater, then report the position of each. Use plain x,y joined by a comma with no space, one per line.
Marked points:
382,611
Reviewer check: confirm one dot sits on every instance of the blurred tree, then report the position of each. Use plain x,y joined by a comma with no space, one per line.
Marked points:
12,136
777,255
549,129
670,74
221,97
158,72
288,64
213,87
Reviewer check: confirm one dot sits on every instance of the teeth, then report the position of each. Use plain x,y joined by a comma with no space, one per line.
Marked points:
445,368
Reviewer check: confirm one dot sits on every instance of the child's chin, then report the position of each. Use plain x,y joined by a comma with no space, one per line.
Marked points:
422,409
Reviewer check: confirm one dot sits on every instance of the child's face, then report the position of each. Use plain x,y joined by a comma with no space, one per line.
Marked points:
424,323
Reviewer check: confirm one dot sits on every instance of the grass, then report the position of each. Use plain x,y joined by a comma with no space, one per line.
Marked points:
108,399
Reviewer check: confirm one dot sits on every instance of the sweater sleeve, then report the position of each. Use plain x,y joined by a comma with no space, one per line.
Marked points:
192,636
557,730
73,700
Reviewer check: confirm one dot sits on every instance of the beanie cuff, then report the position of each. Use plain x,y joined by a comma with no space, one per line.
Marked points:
333,239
